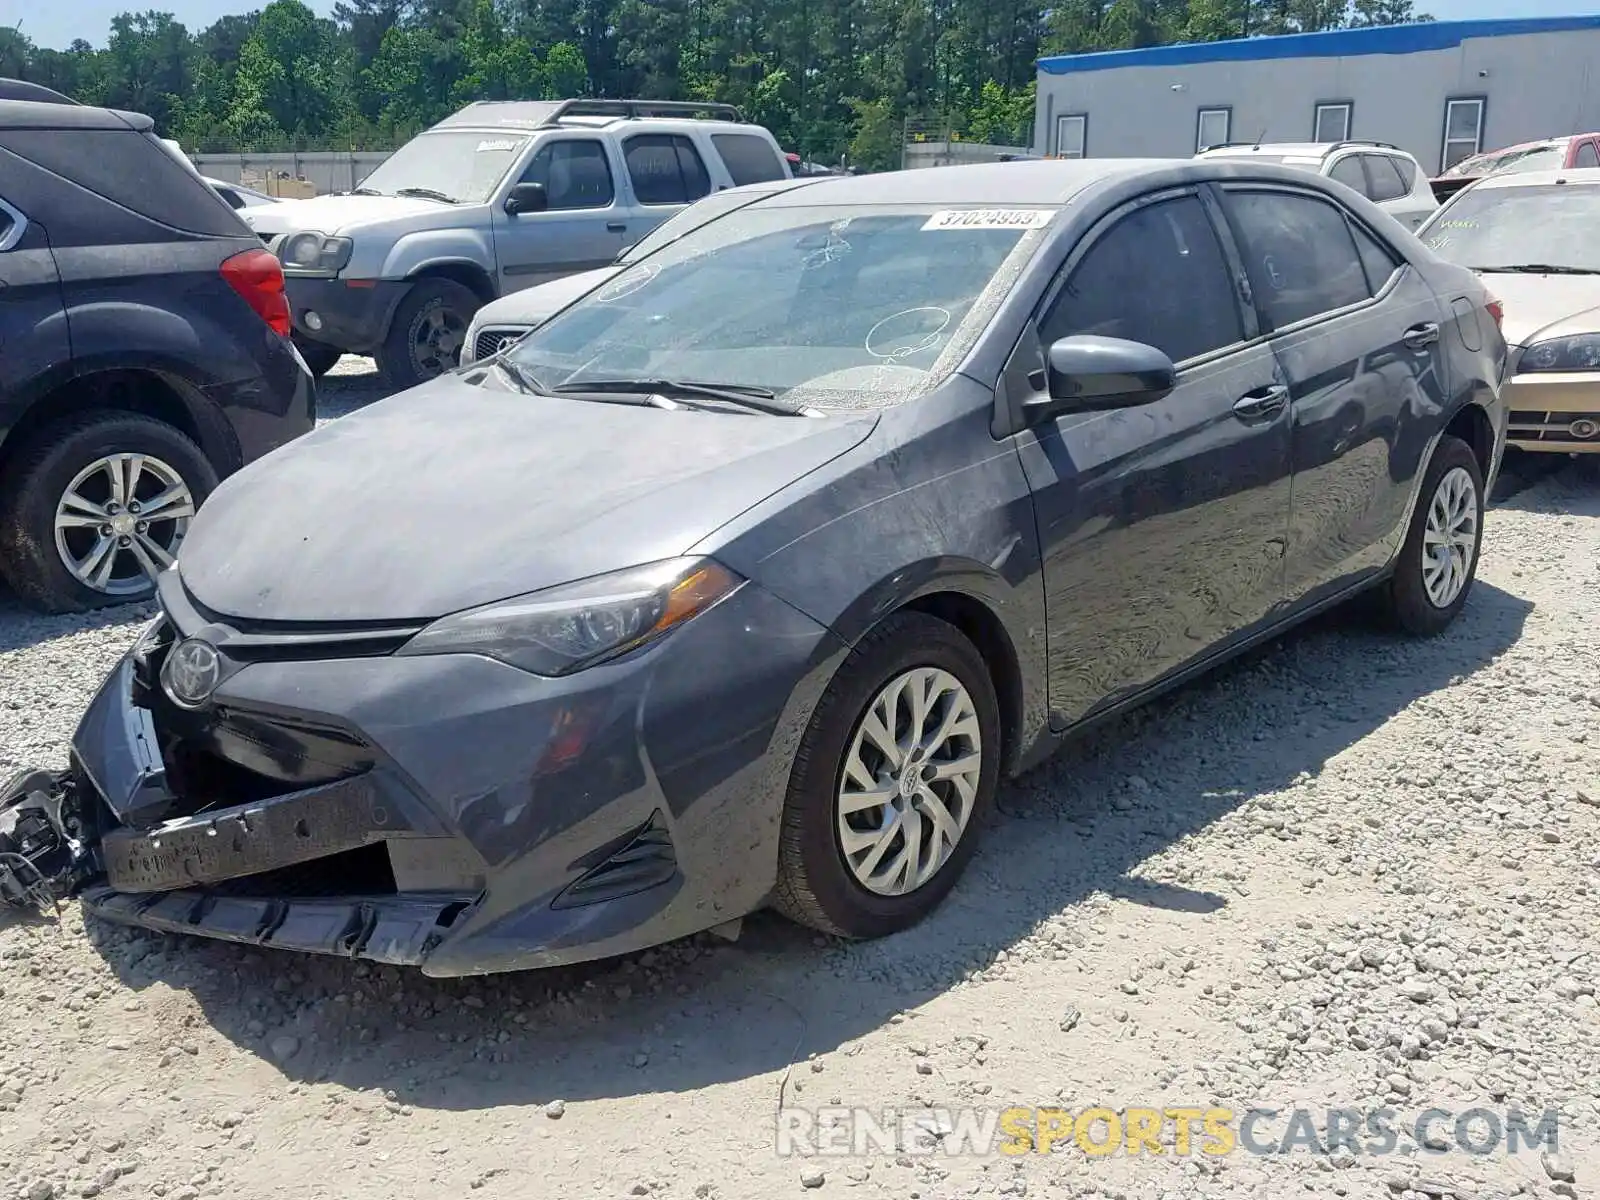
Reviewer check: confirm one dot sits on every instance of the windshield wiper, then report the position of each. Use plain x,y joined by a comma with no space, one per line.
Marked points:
363,192
741,395
426,194
518,375
1535,269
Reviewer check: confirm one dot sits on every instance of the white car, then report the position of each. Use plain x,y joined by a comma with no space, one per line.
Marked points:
501,322
1383,173
238,196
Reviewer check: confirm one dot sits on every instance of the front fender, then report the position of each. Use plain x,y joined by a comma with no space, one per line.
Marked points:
416,252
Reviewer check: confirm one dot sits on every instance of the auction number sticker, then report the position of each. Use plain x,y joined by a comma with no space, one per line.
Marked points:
991,218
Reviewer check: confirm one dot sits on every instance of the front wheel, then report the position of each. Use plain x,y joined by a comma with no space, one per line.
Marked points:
428,331
892,782
1439,560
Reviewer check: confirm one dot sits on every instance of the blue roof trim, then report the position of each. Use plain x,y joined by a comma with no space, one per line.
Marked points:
1336,43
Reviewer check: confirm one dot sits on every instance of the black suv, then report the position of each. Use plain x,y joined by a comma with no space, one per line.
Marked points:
144,351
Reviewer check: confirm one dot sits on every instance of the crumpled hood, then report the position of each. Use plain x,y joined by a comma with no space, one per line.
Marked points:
533,305
338,214
451,495
1539,307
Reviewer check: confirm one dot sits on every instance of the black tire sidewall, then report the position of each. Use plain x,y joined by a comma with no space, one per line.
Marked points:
46,465
1410,604
395,357
904,642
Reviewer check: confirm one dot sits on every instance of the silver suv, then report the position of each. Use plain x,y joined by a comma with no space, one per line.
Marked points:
1383,173
498,197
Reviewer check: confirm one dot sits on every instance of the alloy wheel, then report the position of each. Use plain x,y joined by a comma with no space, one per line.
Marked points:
1450,538
909,782
436,340
120,522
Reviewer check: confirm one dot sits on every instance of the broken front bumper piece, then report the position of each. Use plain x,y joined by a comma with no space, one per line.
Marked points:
42,841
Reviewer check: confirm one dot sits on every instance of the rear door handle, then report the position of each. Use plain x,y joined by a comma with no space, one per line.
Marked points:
1263,402
1420,337
616,227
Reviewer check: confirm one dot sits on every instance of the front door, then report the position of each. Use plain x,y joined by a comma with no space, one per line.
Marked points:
1162,527
585,225
33,327
1357,333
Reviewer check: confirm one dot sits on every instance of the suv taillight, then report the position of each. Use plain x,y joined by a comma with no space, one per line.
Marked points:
1496,310
258,277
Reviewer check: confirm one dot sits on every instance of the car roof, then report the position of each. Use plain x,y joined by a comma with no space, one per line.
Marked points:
36,114
1584,176
1044,181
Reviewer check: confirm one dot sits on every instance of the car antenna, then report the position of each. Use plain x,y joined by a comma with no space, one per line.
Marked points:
1259,137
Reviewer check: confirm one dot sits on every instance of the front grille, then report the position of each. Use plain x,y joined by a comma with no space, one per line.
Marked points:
1533,426
492,341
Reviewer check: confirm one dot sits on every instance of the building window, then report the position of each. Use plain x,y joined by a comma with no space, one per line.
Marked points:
1072,135
1332,122
1212,128
1463,130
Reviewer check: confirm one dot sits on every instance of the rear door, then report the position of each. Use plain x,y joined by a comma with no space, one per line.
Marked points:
33,328
667,172
585,225
1357,334
1162,526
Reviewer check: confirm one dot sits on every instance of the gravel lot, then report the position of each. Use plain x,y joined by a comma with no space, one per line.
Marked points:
1352,871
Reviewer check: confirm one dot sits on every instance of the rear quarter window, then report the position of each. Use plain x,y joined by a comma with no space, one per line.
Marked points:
749,159
132,170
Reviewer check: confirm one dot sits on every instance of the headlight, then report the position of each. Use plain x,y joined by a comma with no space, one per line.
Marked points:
564,629
312,253
1579,353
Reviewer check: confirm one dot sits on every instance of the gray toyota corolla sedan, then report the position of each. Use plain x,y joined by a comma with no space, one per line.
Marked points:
745,579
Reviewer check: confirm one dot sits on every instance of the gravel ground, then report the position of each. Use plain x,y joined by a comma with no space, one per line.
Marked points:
1350,872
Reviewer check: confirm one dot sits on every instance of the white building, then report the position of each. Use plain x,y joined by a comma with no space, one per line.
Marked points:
1442,90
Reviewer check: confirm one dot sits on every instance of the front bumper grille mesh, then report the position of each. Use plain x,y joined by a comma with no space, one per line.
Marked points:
490,342
1531,425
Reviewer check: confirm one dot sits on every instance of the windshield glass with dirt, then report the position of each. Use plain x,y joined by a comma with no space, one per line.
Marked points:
841,308
1536,158
1519,227
464,168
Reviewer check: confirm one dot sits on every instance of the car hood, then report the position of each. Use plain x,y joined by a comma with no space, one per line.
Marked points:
451,495
533,305
1539,307
339,214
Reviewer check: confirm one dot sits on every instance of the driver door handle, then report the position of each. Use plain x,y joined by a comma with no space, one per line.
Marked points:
616,227
1420,337
1263,402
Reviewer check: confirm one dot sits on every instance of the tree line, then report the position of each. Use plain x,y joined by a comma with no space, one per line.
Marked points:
835,80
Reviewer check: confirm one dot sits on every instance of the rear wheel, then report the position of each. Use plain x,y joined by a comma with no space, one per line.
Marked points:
1439,560
428,331
892,782
94,507
319,356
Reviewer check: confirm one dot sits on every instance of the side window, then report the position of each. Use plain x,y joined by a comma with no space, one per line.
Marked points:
1348,172
1300,254
665,169
1408,170
575,174
1157,276
8,228
1377,259
1384,178
749,159
1587,156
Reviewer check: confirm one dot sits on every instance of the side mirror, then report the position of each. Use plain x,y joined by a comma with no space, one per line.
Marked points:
527,198
1085,373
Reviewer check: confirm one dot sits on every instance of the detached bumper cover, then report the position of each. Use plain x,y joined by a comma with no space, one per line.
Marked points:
514,821
355,314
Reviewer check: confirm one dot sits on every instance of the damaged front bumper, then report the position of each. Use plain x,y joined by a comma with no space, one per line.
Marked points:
448,812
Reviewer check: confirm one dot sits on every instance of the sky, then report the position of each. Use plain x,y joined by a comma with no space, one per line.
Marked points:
55,23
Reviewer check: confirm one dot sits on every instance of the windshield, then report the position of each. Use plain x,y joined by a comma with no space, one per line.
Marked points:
847,308
701,212
1489,227
1535,158
466,167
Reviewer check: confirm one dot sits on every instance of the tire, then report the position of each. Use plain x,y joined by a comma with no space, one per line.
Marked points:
816,885
36,482
409,355
319,356
1407,601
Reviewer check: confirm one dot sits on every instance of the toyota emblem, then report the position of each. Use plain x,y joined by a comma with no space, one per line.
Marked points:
191,673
